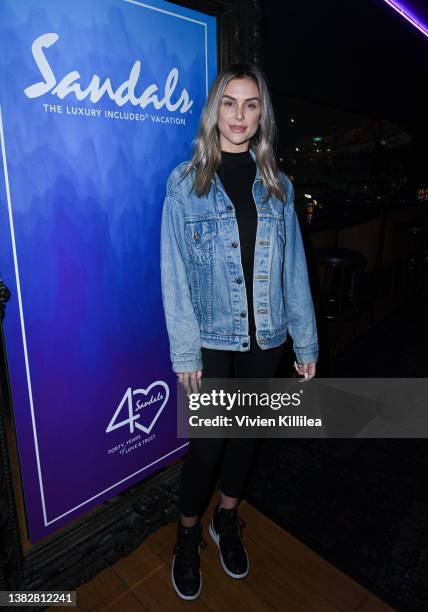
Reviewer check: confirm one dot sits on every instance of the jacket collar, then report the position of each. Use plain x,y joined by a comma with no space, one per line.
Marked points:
258,175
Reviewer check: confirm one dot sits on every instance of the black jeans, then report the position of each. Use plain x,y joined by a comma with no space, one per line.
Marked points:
204,455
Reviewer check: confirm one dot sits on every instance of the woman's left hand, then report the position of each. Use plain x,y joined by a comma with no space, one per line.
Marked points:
305,369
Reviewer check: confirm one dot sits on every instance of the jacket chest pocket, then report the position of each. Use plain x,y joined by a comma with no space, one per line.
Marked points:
200,239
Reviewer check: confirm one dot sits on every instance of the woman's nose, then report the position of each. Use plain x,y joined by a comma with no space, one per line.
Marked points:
239,112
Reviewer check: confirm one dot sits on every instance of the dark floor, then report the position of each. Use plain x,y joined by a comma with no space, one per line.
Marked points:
361,504
395,347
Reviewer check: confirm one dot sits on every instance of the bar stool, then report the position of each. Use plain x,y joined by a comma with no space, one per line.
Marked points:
411,256
339,286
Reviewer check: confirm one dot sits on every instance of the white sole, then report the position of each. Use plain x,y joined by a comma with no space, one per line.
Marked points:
216,539
187,597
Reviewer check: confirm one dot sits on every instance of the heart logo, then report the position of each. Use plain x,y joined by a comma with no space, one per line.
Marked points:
145,392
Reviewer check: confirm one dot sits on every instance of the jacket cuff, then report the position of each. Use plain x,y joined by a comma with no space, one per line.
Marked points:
308,354
187,363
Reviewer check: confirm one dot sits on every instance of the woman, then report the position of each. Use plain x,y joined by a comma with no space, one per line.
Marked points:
234,280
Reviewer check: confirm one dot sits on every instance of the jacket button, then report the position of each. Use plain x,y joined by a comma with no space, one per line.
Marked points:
243,314
245,344
229,207
239,280
196,236
234,244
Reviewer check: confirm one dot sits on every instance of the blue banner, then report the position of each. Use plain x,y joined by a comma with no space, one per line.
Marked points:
98,102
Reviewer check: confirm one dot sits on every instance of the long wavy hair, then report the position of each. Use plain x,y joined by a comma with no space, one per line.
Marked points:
206,144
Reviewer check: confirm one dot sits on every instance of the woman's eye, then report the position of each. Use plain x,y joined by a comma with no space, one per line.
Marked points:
252,105
228,103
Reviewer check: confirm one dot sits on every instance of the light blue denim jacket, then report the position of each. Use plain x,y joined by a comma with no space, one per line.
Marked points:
203,287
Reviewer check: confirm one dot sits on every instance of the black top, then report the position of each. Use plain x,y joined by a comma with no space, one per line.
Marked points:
237,172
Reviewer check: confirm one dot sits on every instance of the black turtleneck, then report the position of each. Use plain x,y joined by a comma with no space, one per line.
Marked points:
237,172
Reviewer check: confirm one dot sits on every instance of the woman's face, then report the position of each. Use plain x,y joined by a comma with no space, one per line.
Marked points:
239,116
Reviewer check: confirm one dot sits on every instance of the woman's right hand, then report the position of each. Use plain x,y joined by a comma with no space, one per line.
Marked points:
191,381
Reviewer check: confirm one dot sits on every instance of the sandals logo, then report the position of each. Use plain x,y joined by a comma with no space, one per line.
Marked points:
95,90
141,408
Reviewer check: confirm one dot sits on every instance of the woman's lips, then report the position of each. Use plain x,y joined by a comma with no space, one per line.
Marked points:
237,128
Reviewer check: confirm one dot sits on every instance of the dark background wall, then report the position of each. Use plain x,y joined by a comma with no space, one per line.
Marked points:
358,56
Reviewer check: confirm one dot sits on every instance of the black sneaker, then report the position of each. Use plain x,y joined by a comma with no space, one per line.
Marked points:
185,572
226,530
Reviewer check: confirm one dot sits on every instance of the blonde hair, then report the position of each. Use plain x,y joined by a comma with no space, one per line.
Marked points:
207,151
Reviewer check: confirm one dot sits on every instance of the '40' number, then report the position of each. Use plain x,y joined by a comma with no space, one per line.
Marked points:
132,418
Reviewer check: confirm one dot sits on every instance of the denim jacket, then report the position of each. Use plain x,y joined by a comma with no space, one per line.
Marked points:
203,291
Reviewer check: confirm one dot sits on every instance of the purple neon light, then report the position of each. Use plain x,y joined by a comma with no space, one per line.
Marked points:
405,12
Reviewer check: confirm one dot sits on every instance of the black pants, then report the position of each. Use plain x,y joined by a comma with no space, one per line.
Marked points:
204,455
